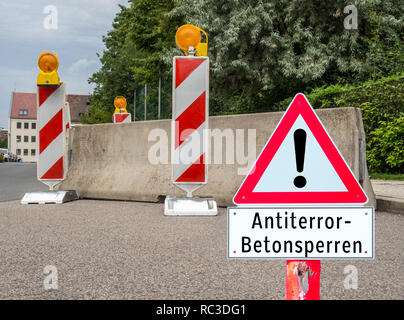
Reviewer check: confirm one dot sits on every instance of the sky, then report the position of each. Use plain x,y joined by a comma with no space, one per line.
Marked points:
27,29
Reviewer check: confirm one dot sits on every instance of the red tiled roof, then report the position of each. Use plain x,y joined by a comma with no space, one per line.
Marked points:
78,104
24,101
27,101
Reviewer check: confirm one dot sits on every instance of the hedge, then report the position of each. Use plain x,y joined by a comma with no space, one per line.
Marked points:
382,106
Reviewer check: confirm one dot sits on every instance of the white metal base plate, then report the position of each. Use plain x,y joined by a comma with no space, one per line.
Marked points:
184,206
49,197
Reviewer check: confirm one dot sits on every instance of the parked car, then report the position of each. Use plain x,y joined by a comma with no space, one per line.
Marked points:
10,157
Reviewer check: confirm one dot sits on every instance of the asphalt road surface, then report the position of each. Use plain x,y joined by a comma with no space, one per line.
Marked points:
130,250
18,178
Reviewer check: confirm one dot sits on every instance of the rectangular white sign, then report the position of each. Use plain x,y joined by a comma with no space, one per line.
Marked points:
301,233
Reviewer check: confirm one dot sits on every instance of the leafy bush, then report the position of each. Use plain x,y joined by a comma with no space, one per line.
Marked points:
386,147
1,158
259,46
3,143
239,103
261,52
382,106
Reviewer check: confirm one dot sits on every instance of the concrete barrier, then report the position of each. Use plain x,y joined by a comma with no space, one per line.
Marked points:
111,161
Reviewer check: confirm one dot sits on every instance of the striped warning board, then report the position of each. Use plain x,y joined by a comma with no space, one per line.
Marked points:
51,127
190,119
68,125
67,116
121,117
303,279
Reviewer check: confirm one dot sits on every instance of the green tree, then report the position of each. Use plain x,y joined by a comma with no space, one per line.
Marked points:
115,76
261,51
132,57
271,49
386,50
3,143
152,32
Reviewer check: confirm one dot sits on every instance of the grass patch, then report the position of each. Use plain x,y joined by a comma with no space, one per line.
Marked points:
386,176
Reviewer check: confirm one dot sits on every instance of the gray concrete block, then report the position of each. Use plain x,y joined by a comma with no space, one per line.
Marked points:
110,161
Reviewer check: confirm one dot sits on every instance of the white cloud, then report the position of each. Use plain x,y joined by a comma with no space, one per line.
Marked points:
81,65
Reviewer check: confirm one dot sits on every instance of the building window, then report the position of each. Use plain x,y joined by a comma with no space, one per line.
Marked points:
33,152
33,125
33,138
18,152
23,112
25,152
26,138
26,125
18,138
18,125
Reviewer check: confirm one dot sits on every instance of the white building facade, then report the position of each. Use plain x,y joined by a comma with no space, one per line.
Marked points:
23,136
22,123
23,139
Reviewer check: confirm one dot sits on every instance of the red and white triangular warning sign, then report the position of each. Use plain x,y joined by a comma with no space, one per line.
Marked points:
301,165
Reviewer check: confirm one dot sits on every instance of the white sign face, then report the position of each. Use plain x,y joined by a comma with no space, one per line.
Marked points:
300,166
301,233
318,170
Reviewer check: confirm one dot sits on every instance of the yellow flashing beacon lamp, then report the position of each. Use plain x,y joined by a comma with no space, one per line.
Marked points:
48,64
120,105
190,36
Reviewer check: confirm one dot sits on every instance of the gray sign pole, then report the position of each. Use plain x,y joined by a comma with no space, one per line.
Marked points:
145,102
134,106
159,105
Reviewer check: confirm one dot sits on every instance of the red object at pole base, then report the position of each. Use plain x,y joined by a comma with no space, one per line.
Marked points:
303,279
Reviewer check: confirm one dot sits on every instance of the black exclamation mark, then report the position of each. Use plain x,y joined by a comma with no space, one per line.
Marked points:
300,149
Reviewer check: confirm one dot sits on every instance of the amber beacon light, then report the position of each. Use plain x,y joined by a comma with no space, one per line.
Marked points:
48,64
120,105
189,37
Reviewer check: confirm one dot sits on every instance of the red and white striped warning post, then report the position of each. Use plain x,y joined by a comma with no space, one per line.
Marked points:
122,117
189,135
53,122
68,125
52,129
189,143
190,121
67,116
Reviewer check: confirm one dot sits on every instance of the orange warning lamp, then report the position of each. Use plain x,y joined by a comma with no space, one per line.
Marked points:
190,36
120,105
48,64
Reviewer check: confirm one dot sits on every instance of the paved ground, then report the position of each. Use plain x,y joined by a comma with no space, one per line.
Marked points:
389,195
107,249
18,178
129,250
389,188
